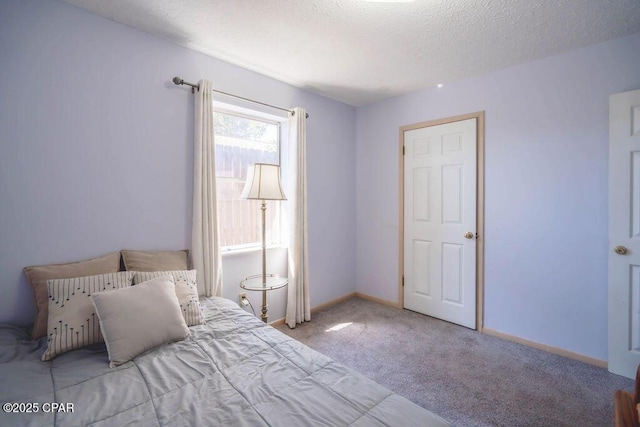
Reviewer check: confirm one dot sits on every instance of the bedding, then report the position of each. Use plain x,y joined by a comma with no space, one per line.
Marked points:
139,318
72,317
186,290
233,370
38,276
155,260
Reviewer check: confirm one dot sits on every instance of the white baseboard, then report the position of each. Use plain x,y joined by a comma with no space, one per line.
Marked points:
394,304
548,348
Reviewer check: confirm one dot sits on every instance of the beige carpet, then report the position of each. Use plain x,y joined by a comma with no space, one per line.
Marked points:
469,378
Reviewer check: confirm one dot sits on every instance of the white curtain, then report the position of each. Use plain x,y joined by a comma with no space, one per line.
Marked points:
205,236
298,300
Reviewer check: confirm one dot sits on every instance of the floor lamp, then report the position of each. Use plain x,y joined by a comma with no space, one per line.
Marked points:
263,183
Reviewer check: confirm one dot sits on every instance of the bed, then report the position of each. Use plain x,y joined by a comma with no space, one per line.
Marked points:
233,370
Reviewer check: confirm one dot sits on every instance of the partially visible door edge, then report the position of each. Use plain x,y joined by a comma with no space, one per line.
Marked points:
479,116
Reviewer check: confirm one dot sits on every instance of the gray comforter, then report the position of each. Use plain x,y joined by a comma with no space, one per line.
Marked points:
234,371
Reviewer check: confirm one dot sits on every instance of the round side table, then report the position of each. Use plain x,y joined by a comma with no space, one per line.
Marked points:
255,283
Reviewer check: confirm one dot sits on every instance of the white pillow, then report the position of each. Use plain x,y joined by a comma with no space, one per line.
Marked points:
72,322
136,319
186,291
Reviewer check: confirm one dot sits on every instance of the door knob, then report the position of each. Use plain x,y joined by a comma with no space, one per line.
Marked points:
620,250
468,235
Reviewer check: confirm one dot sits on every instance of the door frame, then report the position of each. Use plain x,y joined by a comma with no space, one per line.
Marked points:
479,116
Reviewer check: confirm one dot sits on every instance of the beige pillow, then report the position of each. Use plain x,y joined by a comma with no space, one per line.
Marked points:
38,276
72,319
136,319
155,261
186,291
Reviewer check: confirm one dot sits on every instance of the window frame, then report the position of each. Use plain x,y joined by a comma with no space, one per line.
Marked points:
283,131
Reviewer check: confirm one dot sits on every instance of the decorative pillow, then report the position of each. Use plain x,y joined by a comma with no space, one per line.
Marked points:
186,291
72,319
155,261
38,276
136,319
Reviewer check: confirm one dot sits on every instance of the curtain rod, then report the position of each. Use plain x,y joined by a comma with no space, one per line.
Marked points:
179,81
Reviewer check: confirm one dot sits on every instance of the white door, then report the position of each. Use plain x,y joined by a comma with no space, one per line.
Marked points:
440,221
624,233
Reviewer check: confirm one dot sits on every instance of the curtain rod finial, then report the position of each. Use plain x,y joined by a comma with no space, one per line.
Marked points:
178,81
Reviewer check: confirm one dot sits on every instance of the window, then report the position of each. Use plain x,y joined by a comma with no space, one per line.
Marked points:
243,139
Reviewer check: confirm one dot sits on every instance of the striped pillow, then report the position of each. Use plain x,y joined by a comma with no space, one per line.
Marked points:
72,321
186,291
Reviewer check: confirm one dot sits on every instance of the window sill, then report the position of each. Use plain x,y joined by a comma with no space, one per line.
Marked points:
228,253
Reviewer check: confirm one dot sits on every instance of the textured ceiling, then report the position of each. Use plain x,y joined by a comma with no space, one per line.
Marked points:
360,52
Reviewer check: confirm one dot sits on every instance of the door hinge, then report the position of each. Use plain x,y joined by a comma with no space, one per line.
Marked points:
403,150
402,280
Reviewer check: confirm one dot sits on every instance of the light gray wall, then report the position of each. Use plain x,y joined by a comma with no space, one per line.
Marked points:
96,151
546,177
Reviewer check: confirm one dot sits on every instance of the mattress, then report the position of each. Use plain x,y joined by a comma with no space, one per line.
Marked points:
234,370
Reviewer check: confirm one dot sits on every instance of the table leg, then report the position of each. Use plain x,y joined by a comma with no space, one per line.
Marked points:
264,316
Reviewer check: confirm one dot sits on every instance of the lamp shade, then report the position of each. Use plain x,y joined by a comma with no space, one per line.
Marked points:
263,183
